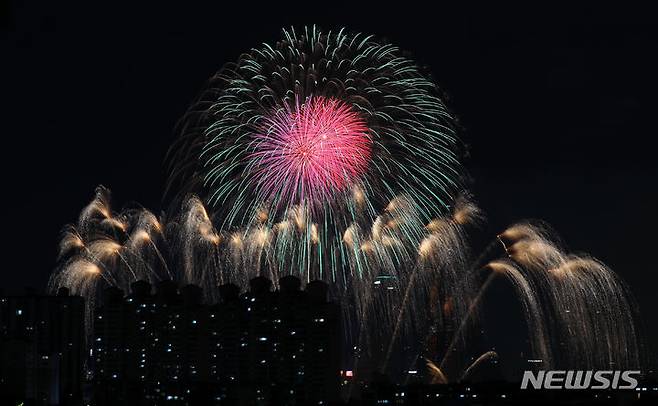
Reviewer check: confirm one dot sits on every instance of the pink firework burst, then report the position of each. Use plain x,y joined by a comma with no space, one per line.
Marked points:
309,152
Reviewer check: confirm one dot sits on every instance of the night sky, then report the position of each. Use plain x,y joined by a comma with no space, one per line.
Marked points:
558,111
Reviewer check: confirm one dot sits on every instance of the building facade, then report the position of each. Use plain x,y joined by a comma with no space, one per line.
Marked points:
263,346
42,349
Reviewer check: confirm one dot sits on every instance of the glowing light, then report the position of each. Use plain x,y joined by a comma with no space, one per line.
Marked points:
427,247
92,269
236,240
142,235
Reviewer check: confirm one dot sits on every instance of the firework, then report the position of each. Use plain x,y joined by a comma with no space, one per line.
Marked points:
325,156
310,153
579,312
331,156
331,125
388,272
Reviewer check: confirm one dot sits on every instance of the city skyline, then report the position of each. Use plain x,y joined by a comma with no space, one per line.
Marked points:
163,343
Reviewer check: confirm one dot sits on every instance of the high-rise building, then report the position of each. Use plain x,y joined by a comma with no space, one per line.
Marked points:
41,349
259,347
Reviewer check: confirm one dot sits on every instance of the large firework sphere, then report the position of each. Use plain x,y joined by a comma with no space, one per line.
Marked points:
335,126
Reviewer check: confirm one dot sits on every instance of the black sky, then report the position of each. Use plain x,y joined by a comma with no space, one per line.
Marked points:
558,107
